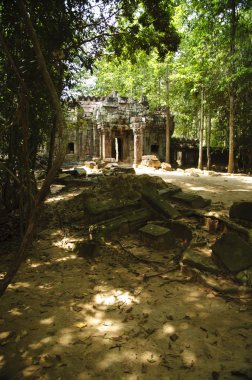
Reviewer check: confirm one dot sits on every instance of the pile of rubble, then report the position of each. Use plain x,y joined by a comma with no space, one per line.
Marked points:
169,220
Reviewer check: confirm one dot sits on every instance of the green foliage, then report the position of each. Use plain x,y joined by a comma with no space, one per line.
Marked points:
203,59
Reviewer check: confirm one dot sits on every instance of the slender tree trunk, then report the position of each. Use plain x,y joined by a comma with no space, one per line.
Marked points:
168,136
231,163
43,192
168,123
201,132
233,24
208,141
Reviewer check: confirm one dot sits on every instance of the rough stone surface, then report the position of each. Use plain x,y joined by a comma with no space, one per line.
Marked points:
107,228
233,252
192,200
151,161
103,208
159,204
196,259
180,230
137,218
169,190
120,225
157,236
241,210
166,166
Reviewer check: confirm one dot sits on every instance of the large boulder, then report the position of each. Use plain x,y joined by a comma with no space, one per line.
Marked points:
232,252
241,210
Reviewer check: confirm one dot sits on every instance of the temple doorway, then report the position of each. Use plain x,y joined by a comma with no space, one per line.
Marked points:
117,148
70,148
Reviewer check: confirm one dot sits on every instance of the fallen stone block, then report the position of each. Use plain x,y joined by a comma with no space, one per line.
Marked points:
197,259
241,210
191,200
159,204
121,225
137,218
99,209
157,236
234,253
106,229
169,190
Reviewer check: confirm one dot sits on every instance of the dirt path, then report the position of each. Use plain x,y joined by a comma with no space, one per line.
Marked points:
112,317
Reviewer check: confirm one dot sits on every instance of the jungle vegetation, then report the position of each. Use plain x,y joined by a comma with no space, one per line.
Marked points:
193,57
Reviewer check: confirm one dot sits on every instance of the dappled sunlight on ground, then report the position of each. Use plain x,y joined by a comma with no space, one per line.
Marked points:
66,317
84,323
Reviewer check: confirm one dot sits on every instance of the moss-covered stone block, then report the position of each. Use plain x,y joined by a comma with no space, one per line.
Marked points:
157,236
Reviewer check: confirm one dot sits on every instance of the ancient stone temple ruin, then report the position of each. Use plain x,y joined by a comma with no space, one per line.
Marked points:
116,128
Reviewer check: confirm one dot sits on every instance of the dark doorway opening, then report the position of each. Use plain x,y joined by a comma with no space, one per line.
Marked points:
70,147
154,149
117,148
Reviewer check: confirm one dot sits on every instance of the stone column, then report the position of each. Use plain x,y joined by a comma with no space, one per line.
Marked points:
103,144
137,124
106,146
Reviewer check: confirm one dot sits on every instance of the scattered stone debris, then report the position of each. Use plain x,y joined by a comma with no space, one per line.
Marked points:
165,218
114,279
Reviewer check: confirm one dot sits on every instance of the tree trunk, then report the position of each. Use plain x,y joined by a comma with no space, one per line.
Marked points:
168,136
61,125
208,141
233,24
201,132
168,123
231,163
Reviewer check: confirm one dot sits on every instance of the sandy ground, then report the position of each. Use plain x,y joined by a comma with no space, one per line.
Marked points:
115,318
